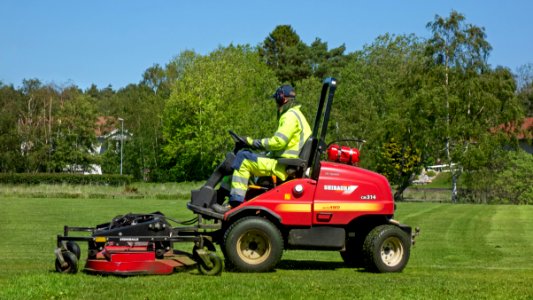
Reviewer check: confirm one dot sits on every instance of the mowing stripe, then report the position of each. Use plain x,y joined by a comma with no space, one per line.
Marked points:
510,233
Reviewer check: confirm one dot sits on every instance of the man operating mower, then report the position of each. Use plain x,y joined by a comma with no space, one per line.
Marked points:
291,135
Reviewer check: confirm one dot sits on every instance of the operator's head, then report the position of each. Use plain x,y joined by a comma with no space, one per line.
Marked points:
284,94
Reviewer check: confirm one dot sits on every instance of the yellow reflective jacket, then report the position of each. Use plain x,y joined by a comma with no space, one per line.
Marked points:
293,130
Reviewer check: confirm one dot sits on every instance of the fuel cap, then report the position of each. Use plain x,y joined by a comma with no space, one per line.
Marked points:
298,190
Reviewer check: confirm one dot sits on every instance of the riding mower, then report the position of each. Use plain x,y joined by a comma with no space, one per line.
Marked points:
325,204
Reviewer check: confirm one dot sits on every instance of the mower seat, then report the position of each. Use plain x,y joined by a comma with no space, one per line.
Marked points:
297,166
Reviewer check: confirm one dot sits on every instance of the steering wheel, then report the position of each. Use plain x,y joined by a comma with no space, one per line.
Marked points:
240,142
237,138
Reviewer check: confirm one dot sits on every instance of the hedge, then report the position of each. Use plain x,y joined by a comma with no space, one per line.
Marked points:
64,178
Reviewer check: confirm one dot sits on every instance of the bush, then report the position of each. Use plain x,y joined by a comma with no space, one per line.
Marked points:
514,184
64,178
507,181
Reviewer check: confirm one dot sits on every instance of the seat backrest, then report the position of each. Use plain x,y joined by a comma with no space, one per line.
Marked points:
305,159
307,150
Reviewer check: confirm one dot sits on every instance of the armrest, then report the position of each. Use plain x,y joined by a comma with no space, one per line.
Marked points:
293,162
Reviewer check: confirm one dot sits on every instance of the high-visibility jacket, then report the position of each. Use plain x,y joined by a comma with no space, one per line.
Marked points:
293,130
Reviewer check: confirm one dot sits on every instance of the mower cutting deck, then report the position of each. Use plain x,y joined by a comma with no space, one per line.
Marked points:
135,244
126,260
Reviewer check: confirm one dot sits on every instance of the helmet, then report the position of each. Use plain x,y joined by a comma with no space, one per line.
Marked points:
283,92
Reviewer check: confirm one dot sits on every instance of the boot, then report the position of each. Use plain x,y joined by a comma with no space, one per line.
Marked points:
220,208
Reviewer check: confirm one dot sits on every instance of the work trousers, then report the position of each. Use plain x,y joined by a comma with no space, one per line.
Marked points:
246,164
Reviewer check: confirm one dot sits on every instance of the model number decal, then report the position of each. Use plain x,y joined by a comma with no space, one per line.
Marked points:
129,239
345,189
369,197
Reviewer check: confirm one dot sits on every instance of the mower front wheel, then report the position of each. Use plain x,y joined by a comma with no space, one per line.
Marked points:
71,263
215,269
253,244
387,249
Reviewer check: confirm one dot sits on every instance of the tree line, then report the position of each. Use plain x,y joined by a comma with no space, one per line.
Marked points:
417,102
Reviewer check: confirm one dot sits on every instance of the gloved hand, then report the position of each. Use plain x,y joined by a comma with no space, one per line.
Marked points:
254,144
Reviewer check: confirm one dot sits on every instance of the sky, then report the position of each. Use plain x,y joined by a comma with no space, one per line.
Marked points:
112,42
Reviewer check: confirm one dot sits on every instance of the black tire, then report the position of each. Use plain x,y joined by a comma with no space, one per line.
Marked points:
215,269
386,249
74,248
70,260
228,266
353,254
253,244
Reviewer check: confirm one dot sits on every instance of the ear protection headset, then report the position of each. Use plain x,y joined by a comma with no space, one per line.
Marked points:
279,96
282,93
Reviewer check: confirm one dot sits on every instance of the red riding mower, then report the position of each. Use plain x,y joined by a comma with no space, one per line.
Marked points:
326,204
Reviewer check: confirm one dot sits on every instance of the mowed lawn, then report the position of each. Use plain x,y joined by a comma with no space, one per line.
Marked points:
463,252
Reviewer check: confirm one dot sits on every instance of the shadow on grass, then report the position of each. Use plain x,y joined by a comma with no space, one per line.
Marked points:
309,265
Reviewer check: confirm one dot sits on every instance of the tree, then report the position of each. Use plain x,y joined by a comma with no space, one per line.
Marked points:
155,79
324,62
141,108
35,119
160,80
514,183
11,101
503,180
380,101
103,99
74,133
399,163
176,67
286,54
525,88
460,54
225,90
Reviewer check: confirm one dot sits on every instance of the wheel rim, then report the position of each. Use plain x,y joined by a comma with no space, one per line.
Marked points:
62,269
254,247
392,251
216,267
71,263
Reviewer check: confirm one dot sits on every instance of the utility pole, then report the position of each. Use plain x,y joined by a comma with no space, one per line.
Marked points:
121,142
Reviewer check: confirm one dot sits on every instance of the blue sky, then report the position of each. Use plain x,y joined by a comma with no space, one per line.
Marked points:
108,42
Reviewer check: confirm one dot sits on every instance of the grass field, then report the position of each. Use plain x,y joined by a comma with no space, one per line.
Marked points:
463,252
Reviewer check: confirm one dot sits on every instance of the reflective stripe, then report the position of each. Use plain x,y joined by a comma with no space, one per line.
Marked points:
238,179
265,143
302,133
293,208
282,136
331,205
291,152
238,192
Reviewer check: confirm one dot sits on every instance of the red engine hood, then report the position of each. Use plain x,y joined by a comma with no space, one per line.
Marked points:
349,184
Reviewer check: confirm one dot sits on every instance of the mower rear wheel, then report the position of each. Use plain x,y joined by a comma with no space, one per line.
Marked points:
253,244
387,249
215,269
71,261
